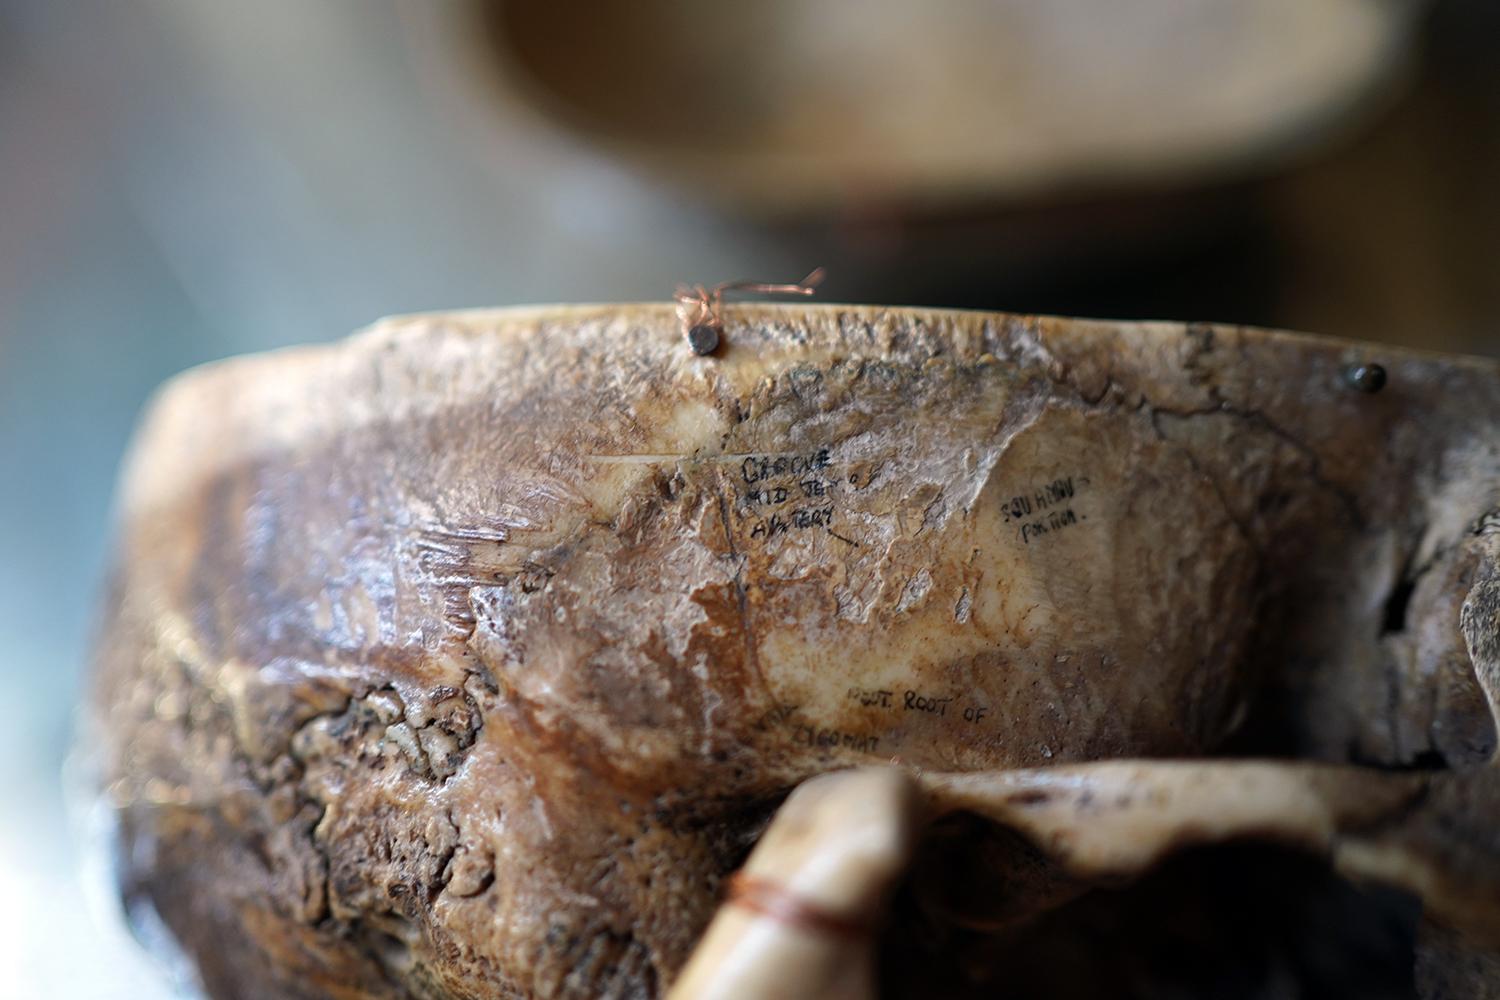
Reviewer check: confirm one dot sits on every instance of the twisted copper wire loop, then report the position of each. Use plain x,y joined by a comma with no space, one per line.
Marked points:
786,907
699,305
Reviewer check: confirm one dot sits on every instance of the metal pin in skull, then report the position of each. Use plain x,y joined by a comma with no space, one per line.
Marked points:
701,309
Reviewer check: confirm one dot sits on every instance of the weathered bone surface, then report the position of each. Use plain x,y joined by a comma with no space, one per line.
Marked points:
469,656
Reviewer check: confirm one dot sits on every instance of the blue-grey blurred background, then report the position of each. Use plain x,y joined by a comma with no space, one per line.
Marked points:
182,180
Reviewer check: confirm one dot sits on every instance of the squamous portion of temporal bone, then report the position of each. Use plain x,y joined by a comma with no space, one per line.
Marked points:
448,654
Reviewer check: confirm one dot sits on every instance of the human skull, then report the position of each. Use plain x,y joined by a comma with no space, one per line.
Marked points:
469,656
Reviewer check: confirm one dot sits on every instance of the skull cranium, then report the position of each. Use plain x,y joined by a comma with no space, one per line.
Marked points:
469,656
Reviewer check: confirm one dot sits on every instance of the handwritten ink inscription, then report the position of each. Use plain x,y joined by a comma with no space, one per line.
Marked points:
829,739
770,496
1045,509
871,697
787,493
757,468
924,702
774,496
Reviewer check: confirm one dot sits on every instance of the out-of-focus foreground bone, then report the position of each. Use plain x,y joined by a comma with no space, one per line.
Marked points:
471,655
842,840
838,845
1015,109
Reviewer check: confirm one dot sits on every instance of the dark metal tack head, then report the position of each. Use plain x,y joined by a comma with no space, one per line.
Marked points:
703,338
1365,377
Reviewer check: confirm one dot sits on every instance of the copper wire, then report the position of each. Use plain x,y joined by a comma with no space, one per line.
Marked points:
697,305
